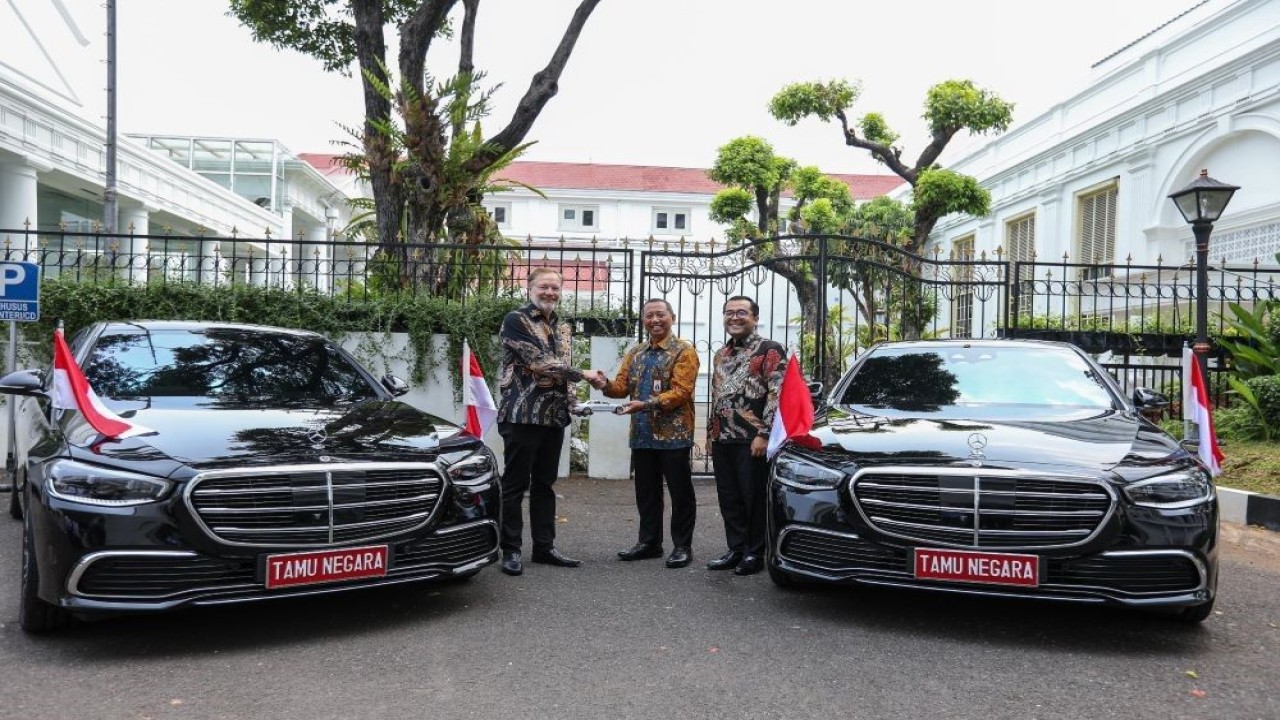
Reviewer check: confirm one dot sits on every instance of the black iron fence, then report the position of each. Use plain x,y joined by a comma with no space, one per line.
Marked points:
827,297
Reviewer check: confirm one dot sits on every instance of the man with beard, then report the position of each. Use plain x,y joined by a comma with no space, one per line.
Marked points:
659,376
744,397
532,416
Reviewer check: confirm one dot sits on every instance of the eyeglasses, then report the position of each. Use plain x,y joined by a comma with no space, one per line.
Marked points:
737,313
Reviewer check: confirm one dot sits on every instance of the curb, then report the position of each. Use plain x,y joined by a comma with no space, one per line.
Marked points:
1249,508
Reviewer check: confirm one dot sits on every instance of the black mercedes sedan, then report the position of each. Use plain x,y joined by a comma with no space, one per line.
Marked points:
279,467
1010,468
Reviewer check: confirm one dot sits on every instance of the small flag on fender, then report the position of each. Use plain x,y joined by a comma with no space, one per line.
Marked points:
476,398
794,418
1195,407
71,391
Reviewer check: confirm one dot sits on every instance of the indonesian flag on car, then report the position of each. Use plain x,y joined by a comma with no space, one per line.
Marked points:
71,391
1195,407
475,395
794,418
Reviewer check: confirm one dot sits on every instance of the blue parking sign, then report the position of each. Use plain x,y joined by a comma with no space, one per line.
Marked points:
19,291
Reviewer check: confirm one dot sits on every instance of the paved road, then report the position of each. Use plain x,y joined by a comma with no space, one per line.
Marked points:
635,640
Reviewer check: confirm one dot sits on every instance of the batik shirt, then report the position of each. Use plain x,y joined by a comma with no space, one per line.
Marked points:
662,376
744,389
536,369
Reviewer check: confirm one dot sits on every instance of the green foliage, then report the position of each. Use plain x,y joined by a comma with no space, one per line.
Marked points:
1239,423
1261,395
1258,353
820,216
940,192
881,218
823,100
749,162
730,205
811,184
876,129
319,28
958,104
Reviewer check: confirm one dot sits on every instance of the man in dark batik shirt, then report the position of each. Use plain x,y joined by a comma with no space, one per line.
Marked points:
532,415
744,397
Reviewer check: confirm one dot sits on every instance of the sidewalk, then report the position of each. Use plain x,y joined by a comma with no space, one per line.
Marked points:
1249,508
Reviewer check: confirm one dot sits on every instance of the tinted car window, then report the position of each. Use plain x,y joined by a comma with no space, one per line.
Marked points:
224,367
954,380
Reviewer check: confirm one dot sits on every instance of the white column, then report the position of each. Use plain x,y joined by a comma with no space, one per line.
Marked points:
608,454
135,220
317,271
18,184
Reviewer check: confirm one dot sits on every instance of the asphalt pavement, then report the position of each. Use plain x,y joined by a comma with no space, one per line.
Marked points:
637,640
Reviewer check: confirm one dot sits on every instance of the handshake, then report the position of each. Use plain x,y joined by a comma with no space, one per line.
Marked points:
596,378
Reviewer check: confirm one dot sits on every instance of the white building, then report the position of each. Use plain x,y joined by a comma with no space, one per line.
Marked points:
53,156
1090,178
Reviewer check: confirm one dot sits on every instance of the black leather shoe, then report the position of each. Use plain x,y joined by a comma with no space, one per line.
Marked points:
727,561
511,564
640,551
750,565
679,557
553,557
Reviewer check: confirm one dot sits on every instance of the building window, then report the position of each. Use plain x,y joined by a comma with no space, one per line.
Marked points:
579,218
1096,230
962,275
670,221
1020,247
501,214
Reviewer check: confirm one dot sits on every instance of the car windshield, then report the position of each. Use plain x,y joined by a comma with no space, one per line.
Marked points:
954,380
225,366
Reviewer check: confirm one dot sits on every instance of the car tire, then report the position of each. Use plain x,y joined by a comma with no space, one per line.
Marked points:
35,616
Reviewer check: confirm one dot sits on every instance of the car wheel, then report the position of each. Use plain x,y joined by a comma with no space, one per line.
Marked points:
35,615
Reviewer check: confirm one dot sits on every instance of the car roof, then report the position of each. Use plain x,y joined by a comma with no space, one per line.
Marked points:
198,325
972,342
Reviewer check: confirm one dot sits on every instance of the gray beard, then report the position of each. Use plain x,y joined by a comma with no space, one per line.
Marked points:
546,308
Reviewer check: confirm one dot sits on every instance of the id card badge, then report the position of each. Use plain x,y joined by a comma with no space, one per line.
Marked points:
657,387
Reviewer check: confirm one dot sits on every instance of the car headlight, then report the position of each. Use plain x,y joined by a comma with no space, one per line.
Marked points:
470,468
805,474
93,485
1181,489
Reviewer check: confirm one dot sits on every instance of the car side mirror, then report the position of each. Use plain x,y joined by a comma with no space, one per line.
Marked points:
815,392
1148,400
394,385
27,383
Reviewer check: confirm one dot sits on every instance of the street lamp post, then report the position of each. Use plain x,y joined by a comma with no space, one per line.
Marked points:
1201,204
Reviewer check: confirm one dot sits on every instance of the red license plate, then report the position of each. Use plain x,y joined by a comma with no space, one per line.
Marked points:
977,567
321,566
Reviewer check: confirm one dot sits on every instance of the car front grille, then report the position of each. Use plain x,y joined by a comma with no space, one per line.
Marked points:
986,508
838,551
1138,573
143,576
315,505
449,546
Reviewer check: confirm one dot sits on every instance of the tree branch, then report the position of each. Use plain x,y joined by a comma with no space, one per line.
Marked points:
935,148
416,34
541,89
886,154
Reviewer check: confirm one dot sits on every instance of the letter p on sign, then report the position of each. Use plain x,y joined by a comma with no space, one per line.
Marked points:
11,275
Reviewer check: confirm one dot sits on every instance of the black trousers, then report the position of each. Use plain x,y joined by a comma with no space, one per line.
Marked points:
531,462
741,484
652,467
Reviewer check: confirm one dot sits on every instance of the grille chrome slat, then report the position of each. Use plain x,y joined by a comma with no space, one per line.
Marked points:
315,505
964,507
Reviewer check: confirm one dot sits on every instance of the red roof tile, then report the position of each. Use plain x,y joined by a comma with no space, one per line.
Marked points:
628,178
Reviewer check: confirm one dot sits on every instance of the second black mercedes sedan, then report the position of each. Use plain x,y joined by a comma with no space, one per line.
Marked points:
1006,468
278,467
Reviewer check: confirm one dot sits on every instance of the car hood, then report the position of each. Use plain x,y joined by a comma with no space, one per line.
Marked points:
1088,440
212,437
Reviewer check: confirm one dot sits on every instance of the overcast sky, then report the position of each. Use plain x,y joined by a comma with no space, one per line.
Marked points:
652,82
